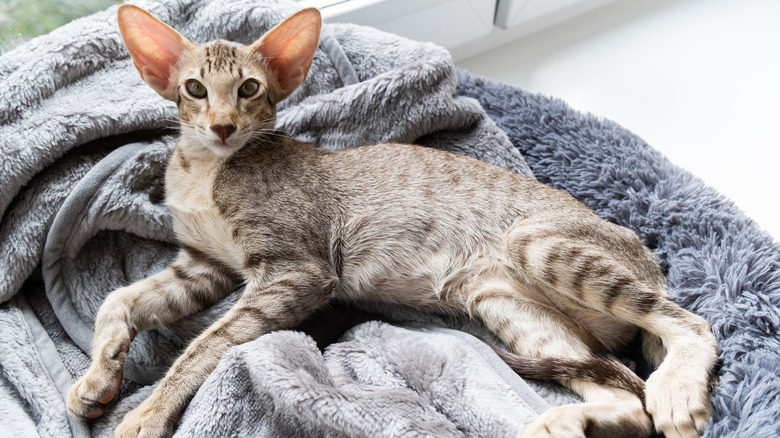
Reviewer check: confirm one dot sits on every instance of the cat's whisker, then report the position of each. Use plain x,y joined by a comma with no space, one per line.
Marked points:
272,134
176,120
260,128
182,123
166,330
252,53
264,121
265,135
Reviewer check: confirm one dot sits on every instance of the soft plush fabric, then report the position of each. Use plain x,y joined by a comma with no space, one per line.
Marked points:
84,144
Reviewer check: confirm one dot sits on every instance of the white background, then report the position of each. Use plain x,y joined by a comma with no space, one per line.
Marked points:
699,80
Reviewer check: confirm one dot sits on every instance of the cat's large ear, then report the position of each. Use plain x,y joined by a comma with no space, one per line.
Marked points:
154,46
289,48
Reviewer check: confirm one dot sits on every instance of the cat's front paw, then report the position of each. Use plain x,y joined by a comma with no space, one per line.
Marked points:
678,402
145,421
88,397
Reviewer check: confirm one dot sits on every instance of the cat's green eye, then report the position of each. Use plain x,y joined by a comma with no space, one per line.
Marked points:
248,88
196,89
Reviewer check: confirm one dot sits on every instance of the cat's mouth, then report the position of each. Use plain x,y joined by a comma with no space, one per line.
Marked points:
228,146
219,147
225,148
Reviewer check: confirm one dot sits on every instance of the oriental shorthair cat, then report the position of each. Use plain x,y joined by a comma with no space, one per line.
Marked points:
300,227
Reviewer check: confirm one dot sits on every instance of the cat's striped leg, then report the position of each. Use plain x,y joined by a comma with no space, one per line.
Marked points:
678,391
604,268
266,305
534,330
189,284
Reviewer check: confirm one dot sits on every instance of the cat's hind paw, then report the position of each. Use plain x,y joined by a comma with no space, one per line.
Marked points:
678,403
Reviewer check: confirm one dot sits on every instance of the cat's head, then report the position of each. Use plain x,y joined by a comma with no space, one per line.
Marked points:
226,92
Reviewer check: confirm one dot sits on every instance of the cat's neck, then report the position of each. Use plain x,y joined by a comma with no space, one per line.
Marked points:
189,158
189,195
189,177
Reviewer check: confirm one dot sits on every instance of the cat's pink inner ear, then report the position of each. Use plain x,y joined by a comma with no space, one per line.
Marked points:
154,46
289,47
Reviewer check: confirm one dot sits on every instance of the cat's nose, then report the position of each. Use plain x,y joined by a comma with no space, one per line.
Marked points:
223,131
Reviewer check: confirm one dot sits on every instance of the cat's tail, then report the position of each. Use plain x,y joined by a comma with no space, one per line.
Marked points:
600,369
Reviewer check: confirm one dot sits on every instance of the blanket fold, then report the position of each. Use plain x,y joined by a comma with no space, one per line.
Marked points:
366,385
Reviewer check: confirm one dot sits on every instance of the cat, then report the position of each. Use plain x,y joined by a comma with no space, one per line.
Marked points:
301,227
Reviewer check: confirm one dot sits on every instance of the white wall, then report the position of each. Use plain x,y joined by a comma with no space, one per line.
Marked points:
697,79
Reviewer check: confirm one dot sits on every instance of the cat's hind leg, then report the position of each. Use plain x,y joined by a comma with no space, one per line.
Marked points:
678,390
190,284
588,263
534,330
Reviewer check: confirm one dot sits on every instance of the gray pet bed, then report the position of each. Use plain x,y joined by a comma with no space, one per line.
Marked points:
84,144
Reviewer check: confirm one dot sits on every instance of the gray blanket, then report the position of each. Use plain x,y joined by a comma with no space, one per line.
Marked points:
84,143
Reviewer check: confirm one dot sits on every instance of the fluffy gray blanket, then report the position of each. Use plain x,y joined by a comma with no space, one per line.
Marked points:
84,143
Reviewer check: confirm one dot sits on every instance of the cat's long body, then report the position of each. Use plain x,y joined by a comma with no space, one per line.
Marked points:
394,223
300,227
